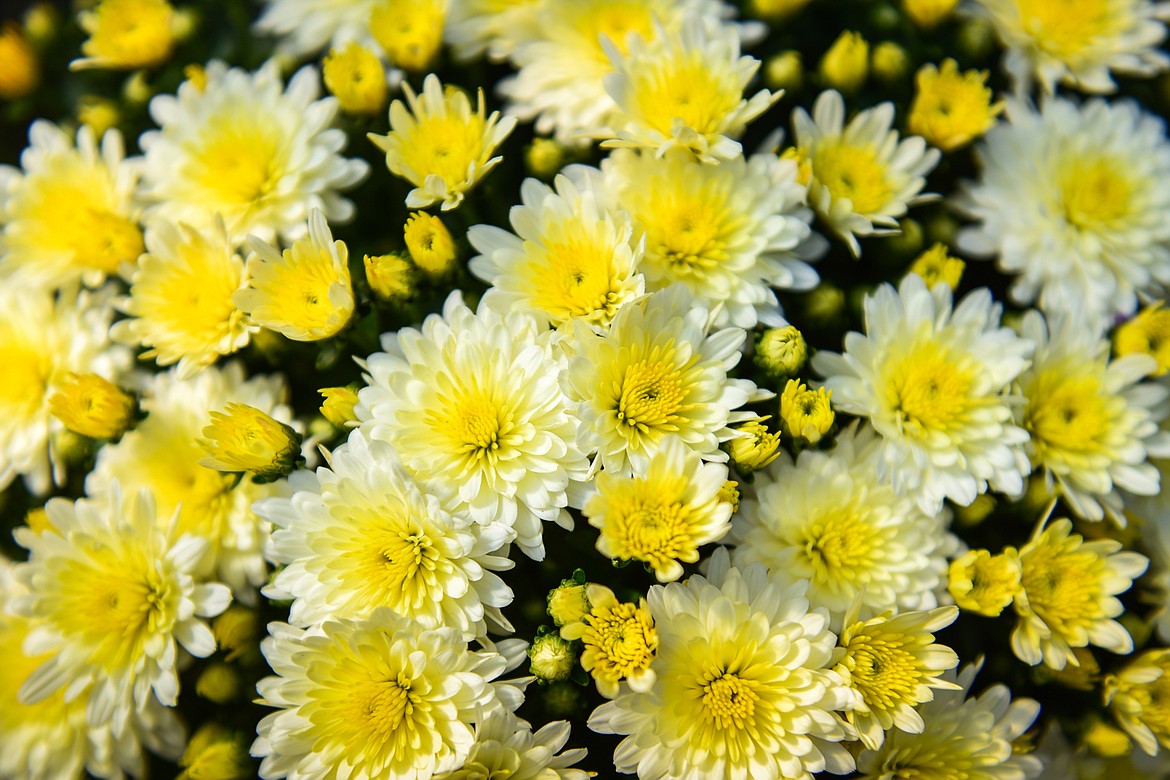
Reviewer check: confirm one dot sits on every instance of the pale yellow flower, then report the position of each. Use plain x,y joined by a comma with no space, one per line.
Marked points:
243,438
619,639
951,108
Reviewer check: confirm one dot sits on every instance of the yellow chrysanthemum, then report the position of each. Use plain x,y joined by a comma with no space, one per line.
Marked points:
806,414
569,602
180,302
951,108
304,293
756,448
92,406
781,352
1139,697
429,243
1068,595
1146,334
845,65
662,515
355,76
936,265
984,583
392,278
71,212
243,438
338,405
21,72
127,34
620,642
891,664
409,31
441,145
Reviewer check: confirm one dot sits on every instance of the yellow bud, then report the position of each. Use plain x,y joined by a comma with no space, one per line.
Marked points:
781,352
845,65
568,602
551,658
1146,334
544,157
429,243
391,277
409,31
890,62
755,450
1106,740
92,406
219,682
20,72
137,89
38,520
950,109
127,34
935,266
197,75
729,494
236,631
984,583
339,404
214,753
354,75
243,438
98,113
928,13
784,71
806,414
41,22
774,10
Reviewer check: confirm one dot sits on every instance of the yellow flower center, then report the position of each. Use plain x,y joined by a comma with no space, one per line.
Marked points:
1067,29
729,701
853,172
1147,334
883,671
653,392
26,376
1066,415
687,91
444,145
619,641
653,529
302,287
476,426
1095,195
238,161
687,233
928,390
575,277
839,545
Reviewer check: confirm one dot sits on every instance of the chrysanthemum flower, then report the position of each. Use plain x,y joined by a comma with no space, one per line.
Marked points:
806,414
505,746
92,406
69,212
755,448
163,454
1147,334
472,401
932,379
570,260
304,292
657,372
373,698
1068,595
936,265
356,77
743,684
861,177
891,665
951,108
562,61
475,27
619,640
984,583
963,737
684,90
1071,201
663,515
1078,43
246,148
363,534
1139,697
730,232
306,27
1091,420
410,32
430,244
180,301
441,145
127,34
43,340
112,591
829,521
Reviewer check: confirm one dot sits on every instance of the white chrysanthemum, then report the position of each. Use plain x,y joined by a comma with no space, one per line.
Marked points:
472,401
570,258
744,684
180,301
112,593
562,62
658,371
505,747
42,339
729,232
829,520
306,27
1078,43
474,27
363,534
861,178
373,698
163,453
1091,420
1072,202
684,90
964,737
246,148
933,380
69,212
